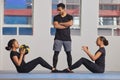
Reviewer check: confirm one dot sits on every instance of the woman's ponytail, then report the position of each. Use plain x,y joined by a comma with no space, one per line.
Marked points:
9,45
105,41
8,48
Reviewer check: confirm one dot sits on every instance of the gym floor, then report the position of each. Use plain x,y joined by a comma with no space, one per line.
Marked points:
59,76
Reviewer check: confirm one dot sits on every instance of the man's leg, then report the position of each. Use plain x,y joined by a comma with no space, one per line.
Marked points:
55,58
69,58
57,48
67,48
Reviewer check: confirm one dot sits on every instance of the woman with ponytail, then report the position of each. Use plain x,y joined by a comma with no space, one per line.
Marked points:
18,58
99,65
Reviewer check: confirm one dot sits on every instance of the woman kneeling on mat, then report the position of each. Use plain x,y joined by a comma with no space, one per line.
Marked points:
99,58
18,58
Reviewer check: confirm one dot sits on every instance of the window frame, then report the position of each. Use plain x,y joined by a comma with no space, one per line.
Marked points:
18,26
74,27
116,24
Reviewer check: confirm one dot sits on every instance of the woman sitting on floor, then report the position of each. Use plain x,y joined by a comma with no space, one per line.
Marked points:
99,58
18,58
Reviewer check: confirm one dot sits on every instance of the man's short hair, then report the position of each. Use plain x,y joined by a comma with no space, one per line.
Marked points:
61,5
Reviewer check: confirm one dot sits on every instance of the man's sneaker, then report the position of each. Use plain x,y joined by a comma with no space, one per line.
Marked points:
55,71
67,71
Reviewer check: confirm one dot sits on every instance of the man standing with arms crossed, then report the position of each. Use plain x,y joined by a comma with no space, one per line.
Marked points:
62,23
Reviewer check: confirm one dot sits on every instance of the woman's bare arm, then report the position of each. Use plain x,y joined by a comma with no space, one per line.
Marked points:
17,60
93,57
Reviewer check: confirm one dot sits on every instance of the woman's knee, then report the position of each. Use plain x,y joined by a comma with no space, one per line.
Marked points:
40,58
82,59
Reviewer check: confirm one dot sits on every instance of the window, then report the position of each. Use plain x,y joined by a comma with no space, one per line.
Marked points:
107,21
109,17
73,8
10,31
18,14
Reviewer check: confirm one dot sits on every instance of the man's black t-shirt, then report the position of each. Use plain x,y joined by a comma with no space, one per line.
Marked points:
19,68
63,34
101,60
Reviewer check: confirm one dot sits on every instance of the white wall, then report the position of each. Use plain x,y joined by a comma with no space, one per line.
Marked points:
1,17
41,42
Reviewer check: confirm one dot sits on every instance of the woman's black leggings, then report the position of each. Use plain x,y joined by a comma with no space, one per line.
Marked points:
88,64
32,64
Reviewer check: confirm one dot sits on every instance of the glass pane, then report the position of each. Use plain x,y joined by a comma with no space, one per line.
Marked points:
9,31
73,7
117,32
110,1
17,11
105,31
52,31
25,31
